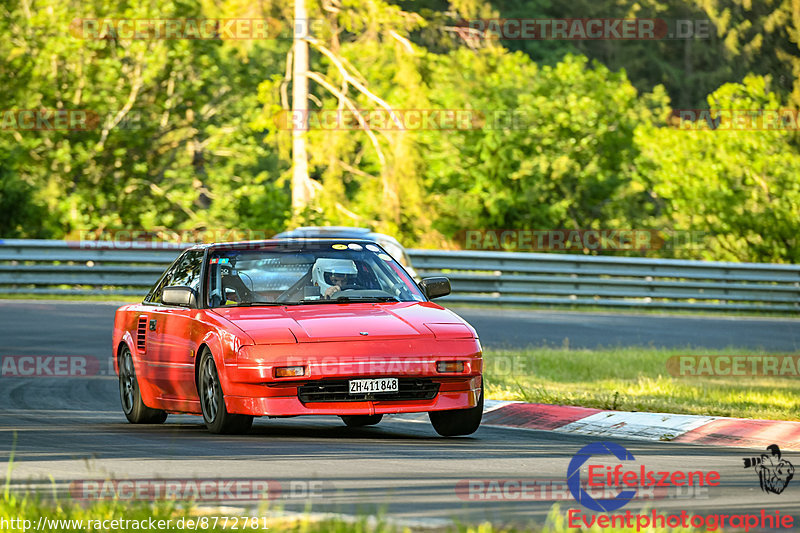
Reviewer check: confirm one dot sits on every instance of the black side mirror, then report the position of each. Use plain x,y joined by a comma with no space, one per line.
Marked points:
180,296
435,287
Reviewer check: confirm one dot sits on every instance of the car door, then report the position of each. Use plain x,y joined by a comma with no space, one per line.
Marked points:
173,347
148,337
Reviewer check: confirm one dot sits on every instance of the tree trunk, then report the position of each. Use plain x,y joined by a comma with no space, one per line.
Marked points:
302,190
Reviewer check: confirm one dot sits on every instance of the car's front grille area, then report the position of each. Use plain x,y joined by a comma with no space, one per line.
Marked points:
337,391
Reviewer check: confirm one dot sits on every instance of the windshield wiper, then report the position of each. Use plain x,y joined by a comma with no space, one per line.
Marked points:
258,304
350,299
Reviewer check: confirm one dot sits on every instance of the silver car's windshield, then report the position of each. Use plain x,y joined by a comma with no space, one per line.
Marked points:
333,272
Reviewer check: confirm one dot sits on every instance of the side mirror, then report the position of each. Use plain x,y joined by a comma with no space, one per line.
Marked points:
435,287
180,296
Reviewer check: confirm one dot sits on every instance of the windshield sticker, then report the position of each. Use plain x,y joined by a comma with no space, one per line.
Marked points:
385,257
339,247
356,247
373,248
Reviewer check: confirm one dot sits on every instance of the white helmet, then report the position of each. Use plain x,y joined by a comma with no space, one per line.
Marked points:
325,267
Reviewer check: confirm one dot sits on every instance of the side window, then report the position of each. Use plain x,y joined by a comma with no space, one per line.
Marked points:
154,296
186,272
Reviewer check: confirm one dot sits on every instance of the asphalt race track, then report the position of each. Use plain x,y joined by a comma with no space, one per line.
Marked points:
72,428
508,328
76,324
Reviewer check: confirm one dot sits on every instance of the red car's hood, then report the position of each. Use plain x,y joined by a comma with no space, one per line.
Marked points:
339,322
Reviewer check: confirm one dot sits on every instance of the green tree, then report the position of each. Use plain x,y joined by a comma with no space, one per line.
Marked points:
362,61
761,38
555,150
172,146
738,188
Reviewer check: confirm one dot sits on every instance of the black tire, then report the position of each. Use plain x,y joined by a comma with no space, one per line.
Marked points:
212,401
359,421
131,398
458,421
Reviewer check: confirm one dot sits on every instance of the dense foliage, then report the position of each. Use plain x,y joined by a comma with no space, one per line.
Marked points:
572,134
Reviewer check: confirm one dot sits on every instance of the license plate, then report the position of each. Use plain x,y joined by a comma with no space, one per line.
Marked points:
361,386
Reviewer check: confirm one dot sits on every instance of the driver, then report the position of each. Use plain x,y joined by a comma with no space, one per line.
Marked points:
333,275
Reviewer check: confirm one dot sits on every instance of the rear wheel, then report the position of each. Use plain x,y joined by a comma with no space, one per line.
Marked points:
132,405
212,401
357,421
458,421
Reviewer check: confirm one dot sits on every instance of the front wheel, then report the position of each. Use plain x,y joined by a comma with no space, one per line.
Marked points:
132,405
458,421
212,401
358,421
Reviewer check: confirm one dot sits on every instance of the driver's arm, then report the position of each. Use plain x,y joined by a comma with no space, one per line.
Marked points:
333,289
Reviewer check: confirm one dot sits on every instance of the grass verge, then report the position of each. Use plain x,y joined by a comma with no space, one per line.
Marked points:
635,379
26,513
722,313
609,310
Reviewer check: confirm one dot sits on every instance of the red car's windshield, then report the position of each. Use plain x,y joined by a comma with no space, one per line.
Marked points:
339,272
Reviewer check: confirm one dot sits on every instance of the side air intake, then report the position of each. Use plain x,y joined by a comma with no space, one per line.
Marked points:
141,333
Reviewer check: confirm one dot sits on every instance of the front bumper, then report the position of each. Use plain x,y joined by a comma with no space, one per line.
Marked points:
460,394
252,389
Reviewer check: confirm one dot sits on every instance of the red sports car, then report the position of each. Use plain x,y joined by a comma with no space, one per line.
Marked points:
299,327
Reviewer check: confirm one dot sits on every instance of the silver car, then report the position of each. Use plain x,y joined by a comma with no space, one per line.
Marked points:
387,242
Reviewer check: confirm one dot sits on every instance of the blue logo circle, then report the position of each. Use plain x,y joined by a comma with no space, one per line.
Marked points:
574,477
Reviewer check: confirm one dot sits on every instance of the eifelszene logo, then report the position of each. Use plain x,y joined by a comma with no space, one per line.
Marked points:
603,480
773,472
574,476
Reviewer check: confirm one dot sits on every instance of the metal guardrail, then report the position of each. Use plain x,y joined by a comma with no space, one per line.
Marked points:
60,267
604,281
82,268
